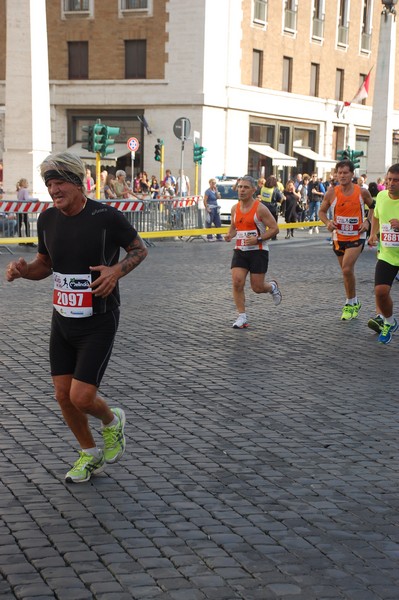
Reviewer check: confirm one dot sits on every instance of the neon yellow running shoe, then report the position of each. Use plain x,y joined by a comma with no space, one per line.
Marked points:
356,308
86,466
114,438
347,312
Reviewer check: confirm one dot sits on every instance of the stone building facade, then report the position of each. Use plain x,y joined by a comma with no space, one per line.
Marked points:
261,81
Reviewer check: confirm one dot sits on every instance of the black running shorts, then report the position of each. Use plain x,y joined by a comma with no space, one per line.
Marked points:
254,261
340,247
82,347
385,273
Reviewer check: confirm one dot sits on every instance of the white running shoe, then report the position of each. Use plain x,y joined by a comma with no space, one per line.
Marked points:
316,229
276,295
311,231
241,323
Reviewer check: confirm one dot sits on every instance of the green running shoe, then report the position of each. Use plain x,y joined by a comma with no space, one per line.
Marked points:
114,439
376,324
347,312
356,308
86,466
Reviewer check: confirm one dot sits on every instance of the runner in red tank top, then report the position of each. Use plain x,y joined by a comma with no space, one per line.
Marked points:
252,224
349,228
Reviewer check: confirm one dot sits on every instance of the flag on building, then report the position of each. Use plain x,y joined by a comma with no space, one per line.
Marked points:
362,92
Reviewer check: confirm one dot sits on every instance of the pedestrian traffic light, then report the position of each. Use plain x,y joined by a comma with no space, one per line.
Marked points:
343,155
108,139
87,138
356,154
198,151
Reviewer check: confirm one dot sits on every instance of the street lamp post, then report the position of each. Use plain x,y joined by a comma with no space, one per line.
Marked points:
380,142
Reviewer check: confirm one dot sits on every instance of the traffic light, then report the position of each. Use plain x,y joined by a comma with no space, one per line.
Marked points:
158,150
108,139
356,154
343,155
198,151
98,137
87,140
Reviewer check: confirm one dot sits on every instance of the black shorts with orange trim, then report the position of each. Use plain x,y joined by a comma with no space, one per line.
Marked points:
254,261
340,247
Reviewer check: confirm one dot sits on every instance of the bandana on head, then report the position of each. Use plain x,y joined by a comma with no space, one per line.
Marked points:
63,175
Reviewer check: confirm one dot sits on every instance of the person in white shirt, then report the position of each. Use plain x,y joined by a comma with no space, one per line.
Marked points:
182,184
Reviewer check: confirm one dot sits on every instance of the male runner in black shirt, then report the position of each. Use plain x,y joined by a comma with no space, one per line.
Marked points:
79,244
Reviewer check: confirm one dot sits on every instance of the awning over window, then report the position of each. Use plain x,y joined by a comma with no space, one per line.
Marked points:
85,155
278,158
318,158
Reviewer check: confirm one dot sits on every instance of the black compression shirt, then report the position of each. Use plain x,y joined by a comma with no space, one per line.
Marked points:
92,237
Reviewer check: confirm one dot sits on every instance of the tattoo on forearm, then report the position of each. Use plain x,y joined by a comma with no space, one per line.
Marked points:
136,253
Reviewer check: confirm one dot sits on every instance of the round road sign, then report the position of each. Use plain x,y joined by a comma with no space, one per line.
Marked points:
133,144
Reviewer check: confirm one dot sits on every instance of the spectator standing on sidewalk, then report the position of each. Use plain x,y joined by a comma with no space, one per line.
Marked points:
8,221
109,193
120,186
303,202
271,195
23,196
252,225
73,234
169,183
90,185
154,187
316,193
292,199
182,185
212,210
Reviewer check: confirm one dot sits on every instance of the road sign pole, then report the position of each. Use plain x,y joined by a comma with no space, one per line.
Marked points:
133,155
196,179
181,129
181,166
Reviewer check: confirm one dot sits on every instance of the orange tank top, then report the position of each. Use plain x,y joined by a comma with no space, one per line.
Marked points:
348,214
248,224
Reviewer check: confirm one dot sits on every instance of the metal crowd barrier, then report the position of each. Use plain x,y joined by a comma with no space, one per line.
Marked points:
18,221
163,214
152,218
144,213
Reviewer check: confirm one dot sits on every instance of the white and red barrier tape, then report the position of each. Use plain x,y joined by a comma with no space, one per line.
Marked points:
126,205
13,206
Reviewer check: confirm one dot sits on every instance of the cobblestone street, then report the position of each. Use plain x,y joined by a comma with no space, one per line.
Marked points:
260,464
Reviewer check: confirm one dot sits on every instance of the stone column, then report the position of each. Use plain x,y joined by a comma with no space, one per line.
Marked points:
27,136
380,143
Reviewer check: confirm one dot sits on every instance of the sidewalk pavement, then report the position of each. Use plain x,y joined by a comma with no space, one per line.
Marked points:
260,464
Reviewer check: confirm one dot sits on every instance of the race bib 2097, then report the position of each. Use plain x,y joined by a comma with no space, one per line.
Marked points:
72,296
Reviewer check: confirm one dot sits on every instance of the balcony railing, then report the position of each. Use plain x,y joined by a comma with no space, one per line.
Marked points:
318,28
290,20
343,35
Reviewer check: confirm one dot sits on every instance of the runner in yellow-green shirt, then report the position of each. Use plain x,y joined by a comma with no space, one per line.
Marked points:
386,223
